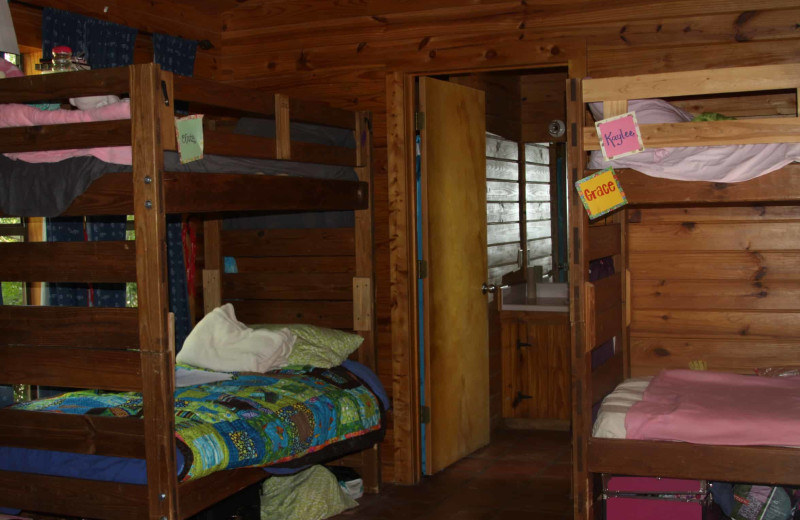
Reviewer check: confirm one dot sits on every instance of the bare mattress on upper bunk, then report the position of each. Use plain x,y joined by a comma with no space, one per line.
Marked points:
287,418
704,408
46,183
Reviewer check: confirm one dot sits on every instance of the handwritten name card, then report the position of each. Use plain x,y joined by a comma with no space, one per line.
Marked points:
601,193
189,131
619,136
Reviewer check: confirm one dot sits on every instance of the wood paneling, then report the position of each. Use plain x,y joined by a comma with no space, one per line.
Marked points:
288,286
649,355
690,236
685,460
94,435
713,284
208,192
199,494
69,327
603,241
66,136
743,266
782,185
336,315
53,366
68,261
89,498
289,242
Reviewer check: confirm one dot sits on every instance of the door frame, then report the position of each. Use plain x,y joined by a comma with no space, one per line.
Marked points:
400,109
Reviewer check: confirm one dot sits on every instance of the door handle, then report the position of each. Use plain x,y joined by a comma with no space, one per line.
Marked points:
488,288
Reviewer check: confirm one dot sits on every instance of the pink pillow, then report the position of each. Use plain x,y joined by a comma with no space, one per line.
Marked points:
9,70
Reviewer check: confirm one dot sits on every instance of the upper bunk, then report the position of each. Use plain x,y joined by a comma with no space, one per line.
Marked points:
196,187
771,117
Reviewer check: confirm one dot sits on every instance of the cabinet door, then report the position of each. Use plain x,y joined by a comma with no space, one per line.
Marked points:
536,368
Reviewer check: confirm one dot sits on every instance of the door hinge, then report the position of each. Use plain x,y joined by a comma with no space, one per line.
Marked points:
422,269
425,415
520,397
419,120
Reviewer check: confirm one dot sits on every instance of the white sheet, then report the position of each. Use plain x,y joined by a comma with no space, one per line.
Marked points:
610,423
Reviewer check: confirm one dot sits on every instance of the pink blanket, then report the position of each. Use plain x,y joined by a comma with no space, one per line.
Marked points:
718,408
12,115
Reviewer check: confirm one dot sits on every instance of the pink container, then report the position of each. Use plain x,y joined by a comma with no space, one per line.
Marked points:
653,508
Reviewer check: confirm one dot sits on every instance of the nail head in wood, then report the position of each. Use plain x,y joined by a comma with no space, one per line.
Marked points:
148,180
148,204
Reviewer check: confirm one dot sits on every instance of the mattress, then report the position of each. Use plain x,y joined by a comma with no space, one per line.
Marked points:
287,418
705,407
50,181
610,423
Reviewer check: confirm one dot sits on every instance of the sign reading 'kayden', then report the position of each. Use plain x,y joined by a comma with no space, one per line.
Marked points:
601,193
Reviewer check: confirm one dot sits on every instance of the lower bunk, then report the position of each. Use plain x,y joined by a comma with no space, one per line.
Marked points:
226,429
658,440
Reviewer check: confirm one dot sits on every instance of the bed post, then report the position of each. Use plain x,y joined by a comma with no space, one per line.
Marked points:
364,284
582,491
157,352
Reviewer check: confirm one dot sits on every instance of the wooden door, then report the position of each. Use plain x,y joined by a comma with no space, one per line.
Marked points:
455,315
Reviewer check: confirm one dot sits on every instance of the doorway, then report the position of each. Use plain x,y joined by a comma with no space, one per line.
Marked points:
524,115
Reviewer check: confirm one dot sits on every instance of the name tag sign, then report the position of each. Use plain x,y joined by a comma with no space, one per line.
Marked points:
189,132
601,193
619,136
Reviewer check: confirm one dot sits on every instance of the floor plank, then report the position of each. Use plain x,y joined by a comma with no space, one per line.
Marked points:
521,474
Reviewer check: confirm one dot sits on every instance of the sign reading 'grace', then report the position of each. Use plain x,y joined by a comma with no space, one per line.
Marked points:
601,193
619,136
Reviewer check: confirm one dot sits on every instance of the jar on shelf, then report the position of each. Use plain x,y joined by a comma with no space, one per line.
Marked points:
62,59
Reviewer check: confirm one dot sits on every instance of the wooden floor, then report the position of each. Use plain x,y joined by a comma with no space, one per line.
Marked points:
521,474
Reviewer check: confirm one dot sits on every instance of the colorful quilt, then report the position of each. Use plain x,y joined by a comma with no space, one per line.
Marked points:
250,420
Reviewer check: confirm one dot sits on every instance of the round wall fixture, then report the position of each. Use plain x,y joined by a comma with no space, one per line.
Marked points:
556,128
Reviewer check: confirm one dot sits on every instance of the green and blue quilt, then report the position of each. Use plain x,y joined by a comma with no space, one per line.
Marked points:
249,420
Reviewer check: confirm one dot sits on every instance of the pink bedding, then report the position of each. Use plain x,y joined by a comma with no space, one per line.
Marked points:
718,408
735,163
12,115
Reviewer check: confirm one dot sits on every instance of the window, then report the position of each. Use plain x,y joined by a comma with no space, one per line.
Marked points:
518,208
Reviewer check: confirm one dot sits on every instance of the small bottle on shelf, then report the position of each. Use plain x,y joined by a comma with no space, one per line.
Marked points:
62,59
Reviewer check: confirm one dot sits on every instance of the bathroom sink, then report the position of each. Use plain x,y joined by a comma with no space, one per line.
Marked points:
549,297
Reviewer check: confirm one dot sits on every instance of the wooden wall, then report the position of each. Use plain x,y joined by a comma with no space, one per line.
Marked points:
719,285
342,52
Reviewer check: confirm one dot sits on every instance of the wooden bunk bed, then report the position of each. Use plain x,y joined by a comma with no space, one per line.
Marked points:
652,306
128,349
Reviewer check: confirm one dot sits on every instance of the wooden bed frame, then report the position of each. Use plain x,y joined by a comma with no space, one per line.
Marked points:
132,349
601,311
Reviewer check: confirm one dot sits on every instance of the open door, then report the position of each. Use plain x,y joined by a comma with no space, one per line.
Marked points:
455,310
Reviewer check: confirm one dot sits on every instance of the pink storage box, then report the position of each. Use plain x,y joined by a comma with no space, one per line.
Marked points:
615,484
654,508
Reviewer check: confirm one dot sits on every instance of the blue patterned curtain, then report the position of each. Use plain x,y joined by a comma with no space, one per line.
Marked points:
102,229
103,44
66,229
174,54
